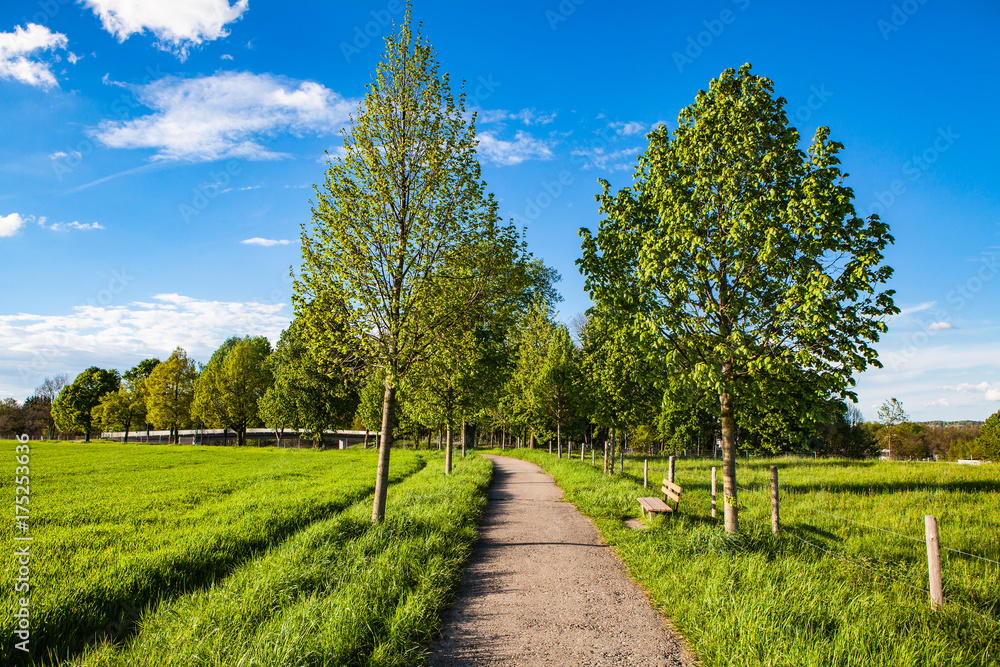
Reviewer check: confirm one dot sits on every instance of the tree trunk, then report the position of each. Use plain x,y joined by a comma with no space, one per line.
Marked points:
465,435
385,443
559,438
447,451
729,463
366,438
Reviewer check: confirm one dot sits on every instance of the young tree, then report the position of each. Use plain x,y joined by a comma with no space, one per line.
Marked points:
120,410
74,404
557,387
135,379
738,257
890,415
47,392
169,392
230,387
405,201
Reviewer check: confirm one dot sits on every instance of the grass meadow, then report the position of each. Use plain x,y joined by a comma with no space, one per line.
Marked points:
850,598
179,555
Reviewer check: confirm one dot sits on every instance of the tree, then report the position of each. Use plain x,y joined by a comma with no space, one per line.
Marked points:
73,406
229,389
556,390
889,415
302,396
47,392
120,410
135,378
404,202
11,418
169,392
738,257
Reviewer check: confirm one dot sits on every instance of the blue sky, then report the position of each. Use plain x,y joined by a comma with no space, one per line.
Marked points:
156,159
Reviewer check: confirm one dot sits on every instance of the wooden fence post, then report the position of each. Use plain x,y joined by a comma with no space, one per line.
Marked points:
775,524
605,458
713,492
645,473
569,449
670,471
933,561
583,450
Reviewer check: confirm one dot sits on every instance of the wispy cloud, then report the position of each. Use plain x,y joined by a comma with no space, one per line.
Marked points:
627,129
526,116
177,25
600,158
224,115
82,226
938,326
19,55
267,243
506,153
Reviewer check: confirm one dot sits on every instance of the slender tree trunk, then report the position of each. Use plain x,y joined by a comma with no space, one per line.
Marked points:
366,438
430,434
385,444
559,438
447,451
729,462
465,435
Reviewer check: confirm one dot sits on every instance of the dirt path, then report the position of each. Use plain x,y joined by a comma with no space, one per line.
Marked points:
541,588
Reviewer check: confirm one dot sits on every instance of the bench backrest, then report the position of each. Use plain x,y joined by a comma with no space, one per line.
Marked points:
671,491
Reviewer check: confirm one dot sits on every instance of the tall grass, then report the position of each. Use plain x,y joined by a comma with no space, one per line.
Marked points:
117,527
341,592
759,599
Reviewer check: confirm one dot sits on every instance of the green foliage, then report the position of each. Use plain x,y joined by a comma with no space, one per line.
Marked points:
72,408
12,421
752,598
302,396
170,390
231,385
557,387
121,410
737,259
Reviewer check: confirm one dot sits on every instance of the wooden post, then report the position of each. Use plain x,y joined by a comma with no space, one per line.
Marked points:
569,449
775,523
645,473
713,492
670,471
605,458
934,561
583,450
593,457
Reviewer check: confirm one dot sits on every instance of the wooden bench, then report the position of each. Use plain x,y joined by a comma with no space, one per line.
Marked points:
670,491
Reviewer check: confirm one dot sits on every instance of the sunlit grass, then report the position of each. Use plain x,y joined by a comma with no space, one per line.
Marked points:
119,527
340,592
759,599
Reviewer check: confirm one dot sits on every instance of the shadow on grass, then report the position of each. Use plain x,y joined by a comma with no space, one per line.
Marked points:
83,621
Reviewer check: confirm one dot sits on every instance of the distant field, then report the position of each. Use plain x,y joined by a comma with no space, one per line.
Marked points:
756,599
131,542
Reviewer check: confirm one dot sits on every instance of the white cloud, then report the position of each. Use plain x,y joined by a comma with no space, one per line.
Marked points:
524,147
526,116
177,25
965,386
9,224
267,243
915,309
222,116
937,326
226,56
993,394
603,159
82,226
627,129
118,336
941,402
15,47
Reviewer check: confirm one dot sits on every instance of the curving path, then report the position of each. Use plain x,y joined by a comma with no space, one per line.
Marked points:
541,588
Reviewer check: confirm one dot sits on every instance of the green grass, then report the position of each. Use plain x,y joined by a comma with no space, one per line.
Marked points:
341,592
759,599
118,528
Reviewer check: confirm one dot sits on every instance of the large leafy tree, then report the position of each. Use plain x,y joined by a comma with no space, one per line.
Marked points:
302,396
737,256
404,202
169,392
229,389
135,379
73,406
125,409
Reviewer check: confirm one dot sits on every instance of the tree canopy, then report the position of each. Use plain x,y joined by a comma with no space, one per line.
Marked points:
72,408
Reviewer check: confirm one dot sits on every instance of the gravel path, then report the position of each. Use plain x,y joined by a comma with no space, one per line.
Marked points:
541,588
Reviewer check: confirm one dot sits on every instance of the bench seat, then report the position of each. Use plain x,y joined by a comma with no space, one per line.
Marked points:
654,505
670,491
